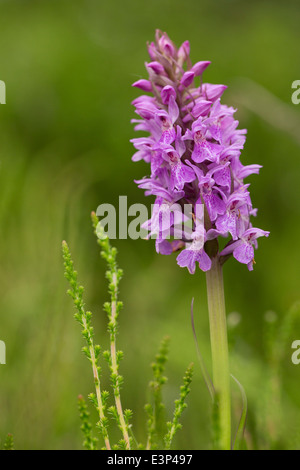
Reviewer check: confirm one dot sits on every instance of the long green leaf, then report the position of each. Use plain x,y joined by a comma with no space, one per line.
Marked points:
239,436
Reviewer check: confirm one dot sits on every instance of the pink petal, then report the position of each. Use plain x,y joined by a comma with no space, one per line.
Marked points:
244,253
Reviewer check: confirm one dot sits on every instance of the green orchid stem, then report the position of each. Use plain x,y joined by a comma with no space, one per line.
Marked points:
219,348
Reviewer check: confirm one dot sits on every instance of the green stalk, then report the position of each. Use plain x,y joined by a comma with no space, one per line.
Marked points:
219,348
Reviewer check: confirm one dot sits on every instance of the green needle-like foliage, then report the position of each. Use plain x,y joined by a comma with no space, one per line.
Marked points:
90,442
158,433
180,405
155,410
91,351
113,308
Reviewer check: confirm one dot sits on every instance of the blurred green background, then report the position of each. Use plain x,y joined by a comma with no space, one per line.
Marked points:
68,68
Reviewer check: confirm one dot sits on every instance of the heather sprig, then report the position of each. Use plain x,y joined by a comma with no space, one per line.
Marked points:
155,425
91,351
90,442
112,308
180,405
155,410
161,434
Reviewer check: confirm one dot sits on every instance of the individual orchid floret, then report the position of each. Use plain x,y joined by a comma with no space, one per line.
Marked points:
243,249
232,221
180,174
203,149
167,221
166,121
187,79
193,150
183,53
199,67
195,252
213,92
156,67
166,93
209,193
144,85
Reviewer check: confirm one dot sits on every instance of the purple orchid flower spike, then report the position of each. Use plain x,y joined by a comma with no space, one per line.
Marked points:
193,150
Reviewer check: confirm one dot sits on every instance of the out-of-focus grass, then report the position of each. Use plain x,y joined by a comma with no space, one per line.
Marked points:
65,130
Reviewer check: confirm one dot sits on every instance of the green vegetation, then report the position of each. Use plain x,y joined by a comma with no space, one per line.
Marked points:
68,68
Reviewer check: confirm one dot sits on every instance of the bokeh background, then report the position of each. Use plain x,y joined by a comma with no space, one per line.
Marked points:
64,149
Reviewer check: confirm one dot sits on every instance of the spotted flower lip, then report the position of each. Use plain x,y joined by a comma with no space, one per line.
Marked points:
193,151
243,248
195,252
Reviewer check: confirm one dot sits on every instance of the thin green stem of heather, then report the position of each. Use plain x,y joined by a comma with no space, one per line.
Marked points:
180,406
112,309
219,348
155,411
91,350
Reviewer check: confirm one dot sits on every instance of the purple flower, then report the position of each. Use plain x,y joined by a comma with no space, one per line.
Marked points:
179,172
203,148
144,85
195,253
210,193
243,249
199,67
193,149
232,221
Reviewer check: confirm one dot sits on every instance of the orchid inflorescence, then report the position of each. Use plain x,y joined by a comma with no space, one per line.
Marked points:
194,151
